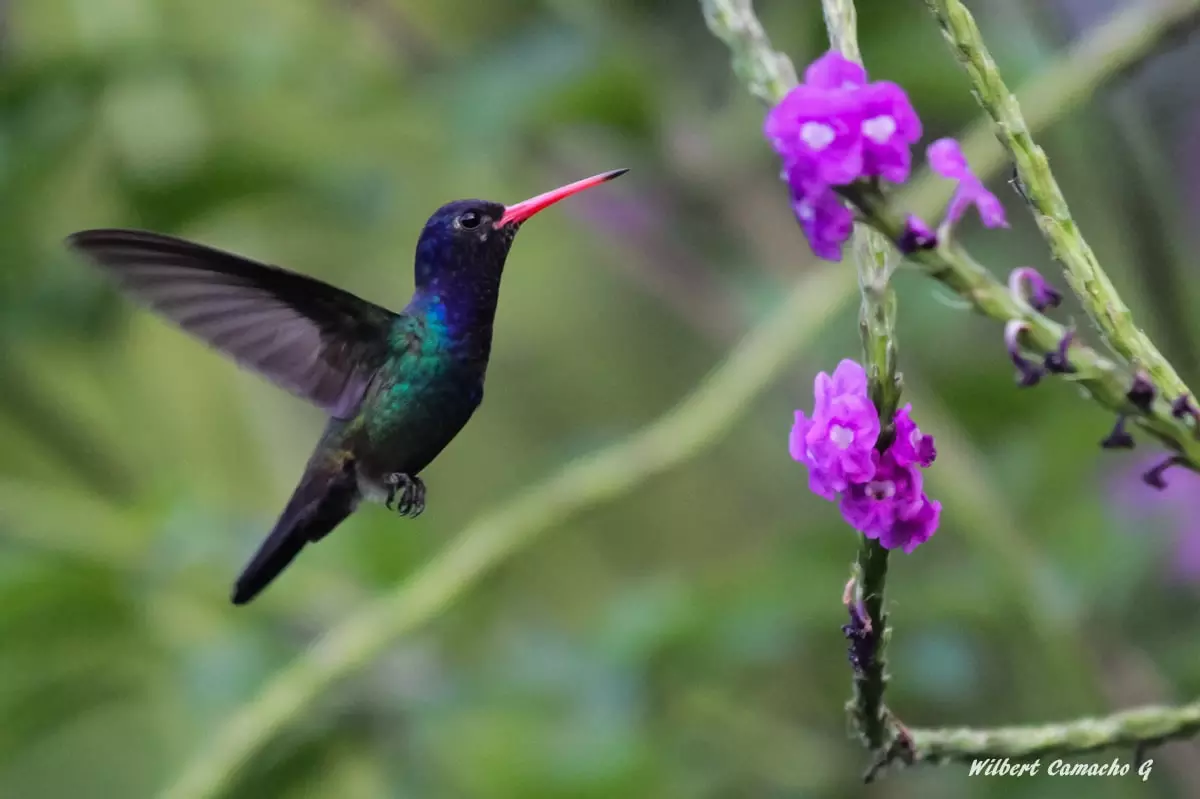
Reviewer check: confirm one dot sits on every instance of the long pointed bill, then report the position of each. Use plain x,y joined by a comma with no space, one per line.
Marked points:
516,214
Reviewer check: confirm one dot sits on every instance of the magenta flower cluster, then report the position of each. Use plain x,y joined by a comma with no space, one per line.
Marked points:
837,128
880,494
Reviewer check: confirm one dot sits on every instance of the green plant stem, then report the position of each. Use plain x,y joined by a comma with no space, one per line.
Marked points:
877,325
1107,50
767,73
680,434
1084,274
1103,379
1139,727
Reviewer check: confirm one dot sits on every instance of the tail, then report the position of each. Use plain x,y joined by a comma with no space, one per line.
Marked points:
327,494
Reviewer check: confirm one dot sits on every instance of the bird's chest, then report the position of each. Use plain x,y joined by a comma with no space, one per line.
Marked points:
420,402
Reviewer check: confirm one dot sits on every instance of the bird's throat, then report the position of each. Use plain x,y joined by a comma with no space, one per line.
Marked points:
461,311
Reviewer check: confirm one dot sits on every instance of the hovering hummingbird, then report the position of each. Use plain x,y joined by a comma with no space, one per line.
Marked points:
398,387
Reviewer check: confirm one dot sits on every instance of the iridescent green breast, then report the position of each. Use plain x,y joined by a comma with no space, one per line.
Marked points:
424,393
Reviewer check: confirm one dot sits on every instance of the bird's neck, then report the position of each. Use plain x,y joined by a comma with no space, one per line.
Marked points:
462,310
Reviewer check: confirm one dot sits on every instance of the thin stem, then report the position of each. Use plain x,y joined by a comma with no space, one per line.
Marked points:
767,73
1137,728
1106,51
680,434
1087,279
877,324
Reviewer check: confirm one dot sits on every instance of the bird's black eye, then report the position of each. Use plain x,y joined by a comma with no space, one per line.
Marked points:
469,221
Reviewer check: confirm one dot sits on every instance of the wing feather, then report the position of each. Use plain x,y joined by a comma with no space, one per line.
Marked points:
319,342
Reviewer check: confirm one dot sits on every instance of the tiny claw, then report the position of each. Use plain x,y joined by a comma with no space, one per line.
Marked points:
1142,392
1119,438
411,493
1029,373
418,504
1154,476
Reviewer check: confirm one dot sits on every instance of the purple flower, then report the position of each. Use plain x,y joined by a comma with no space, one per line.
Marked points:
911,446
825,220
946,158
834,71
832,130
881,493
872,507
909,532
892,506
889,129
817,133
838,443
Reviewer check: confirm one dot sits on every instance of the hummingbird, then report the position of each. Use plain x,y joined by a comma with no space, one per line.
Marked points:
397,387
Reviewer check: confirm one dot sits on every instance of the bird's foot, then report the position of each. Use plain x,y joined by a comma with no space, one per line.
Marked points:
406,493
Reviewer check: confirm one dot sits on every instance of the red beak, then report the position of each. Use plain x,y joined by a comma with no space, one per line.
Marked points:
516,214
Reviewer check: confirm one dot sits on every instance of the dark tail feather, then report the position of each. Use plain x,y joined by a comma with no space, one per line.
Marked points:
323,499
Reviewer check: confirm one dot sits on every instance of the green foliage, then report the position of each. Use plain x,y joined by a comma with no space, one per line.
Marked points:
681,642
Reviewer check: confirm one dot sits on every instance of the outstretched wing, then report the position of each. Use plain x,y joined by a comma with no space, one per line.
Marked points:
319,342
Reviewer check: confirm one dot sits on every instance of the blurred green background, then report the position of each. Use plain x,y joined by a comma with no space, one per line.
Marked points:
680,641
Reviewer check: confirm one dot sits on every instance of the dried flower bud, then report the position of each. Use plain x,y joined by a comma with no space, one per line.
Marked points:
1057,362
917,235
1029,373
1119,438
1142,392
1154,476
1027,285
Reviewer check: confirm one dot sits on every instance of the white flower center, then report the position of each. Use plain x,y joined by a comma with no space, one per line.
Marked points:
881,489
879,129
817,135
843,437
915,438
804,210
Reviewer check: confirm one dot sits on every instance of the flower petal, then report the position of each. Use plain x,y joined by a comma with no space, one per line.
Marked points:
835,71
